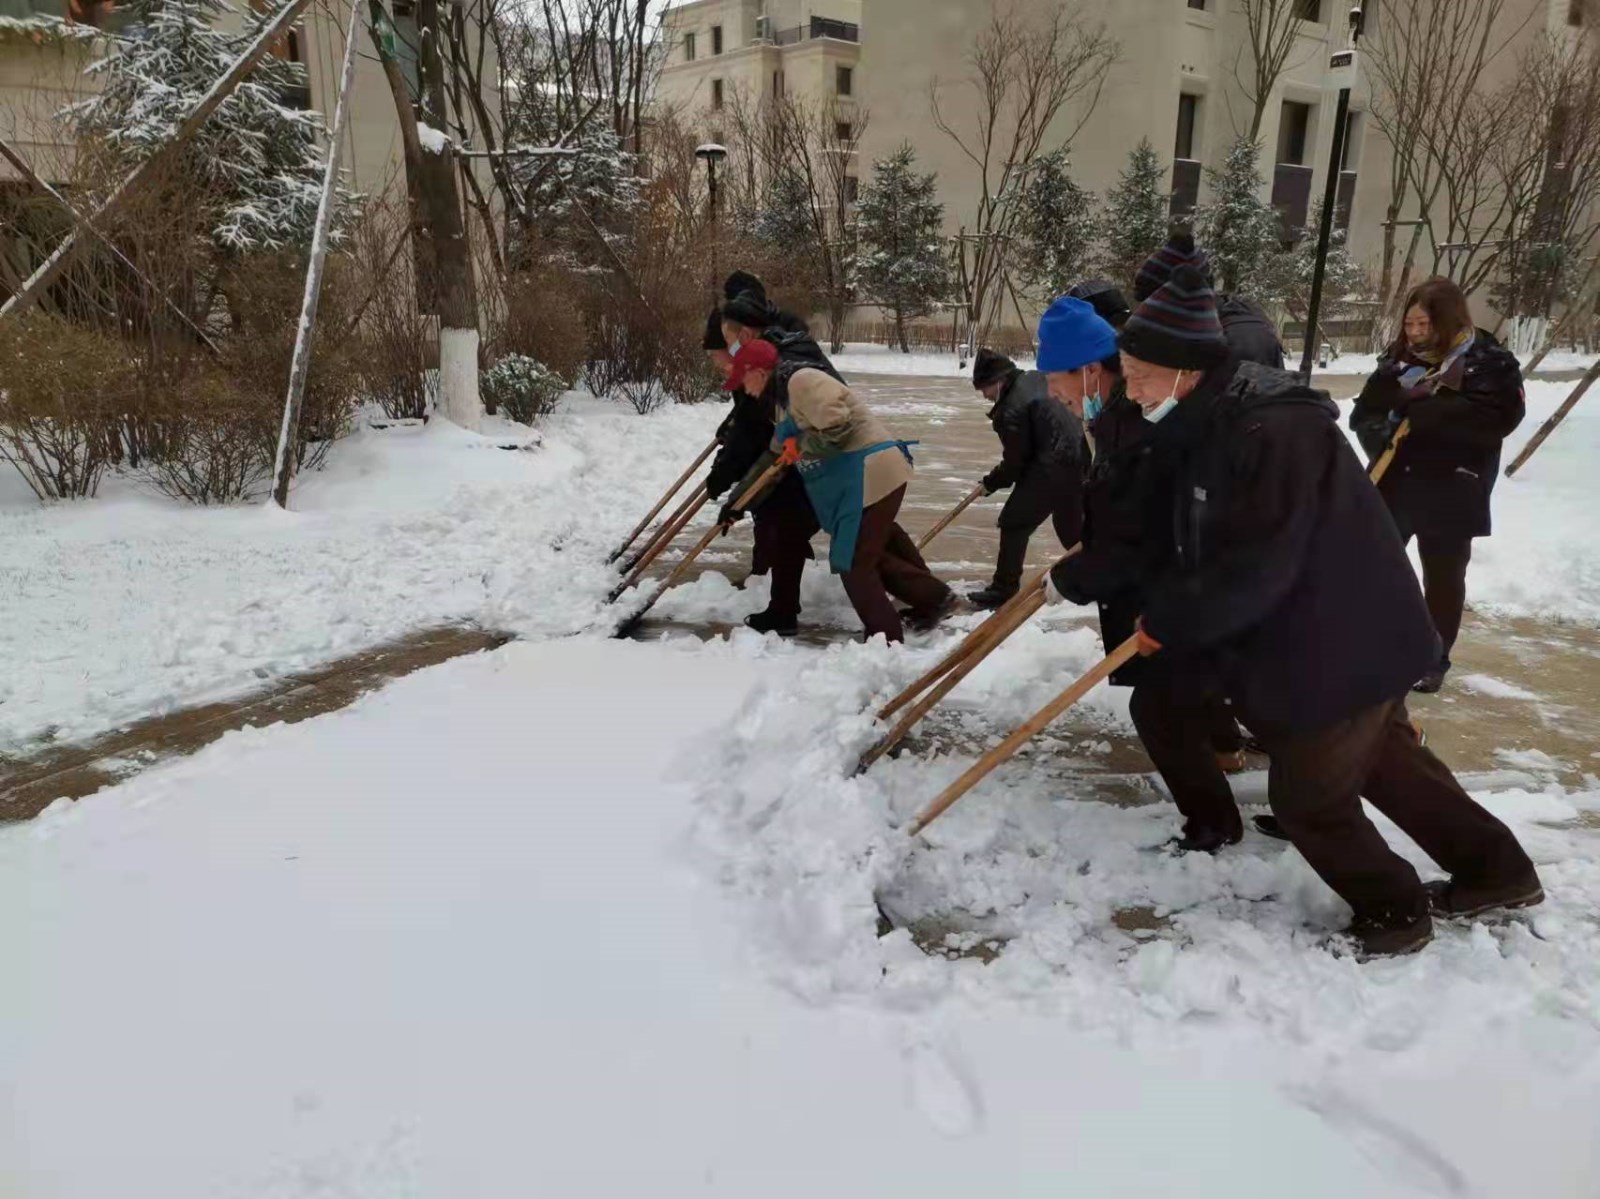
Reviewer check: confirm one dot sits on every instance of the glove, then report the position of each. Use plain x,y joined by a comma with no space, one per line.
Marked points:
1147,644
1051,594
730,515
791,452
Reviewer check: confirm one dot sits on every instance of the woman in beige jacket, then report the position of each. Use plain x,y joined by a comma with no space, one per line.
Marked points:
855,473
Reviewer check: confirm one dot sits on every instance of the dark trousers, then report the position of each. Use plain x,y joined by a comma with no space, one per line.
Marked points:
784,528
1067,517
887,563
1316,784
1183,724
1444,580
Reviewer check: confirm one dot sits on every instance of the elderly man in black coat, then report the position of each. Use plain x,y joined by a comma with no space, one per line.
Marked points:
1289,577
1041,446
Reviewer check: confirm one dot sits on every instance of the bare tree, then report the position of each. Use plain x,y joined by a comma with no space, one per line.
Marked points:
1271,27
1022,74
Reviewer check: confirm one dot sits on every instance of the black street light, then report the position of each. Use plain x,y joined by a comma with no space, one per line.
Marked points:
1342,67
711,154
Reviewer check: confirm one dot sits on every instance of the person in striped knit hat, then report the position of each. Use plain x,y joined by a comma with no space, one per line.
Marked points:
1248,331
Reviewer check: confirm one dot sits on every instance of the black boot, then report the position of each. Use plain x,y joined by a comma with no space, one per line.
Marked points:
766,622
991,597
1205,840
1389,937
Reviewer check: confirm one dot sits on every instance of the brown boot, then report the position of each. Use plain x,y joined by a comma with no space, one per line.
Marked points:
1462,901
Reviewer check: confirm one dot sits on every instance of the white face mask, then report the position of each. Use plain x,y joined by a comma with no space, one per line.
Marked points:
734,348
1155,414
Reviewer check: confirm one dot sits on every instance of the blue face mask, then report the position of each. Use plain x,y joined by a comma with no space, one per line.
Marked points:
1159,412
1092,407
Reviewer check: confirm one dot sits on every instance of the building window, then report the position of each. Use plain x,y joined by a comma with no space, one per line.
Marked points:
1294,128
716,94
1308,10
1575,12
842,131
716,39
1350,157
1188,117
852,188
1198,5
844,80
688,47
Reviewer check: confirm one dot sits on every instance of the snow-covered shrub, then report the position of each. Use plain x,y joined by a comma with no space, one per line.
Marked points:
60,388
523,388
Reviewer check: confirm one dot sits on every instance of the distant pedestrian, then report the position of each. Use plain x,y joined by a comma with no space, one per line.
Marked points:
855,474
1459,394
1041,462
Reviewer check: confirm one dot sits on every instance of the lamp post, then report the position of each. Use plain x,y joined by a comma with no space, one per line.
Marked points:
711,153
1342,69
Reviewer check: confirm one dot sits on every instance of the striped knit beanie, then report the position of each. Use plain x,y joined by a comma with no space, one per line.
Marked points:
1177,327
1180,250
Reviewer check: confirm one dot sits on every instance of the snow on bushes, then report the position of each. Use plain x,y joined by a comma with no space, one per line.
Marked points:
521,388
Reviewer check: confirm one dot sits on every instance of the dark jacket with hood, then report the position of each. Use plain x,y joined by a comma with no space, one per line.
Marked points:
1040,443
1441,478
1288,573
1249,331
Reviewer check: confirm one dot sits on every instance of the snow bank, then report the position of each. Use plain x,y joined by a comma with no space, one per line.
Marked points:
862,358
132,604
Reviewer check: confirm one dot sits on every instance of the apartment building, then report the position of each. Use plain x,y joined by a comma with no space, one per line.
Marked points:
717,48
45,45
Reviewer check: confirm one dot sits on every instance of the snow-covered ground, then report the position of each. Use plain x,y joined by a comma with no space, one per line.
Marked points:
582,917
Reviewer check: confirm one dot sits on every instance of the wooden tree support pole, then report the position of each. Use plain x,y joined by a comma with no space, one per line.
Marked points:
927,538
1015,620
768,477
662,502
655,538
1549,426
50,270
1025,732
1386,459
300,364
668,535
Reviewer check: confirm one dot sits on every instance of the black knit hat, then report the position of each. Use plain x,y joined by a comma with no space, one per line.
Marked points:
712,339
1105,298
1177,327
989,367
752,309
742,281
1180,250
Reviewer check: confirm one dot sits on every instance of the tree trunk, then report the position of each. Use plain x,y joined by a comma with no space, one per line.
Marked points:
900,330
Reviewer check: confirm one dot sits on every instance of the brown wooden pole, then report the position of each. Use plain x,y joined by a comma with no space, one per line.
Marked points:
927,538
1560,415
661,531
662,502
1015,620
970,642
1386,459
1025,732
668,537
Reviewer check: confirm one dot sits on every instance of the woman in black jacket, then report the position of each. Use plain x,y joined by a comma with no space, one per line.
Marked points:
1458,393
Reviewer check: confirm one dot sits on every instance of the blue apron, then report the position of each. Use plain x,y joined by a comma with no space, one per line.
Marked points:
835,487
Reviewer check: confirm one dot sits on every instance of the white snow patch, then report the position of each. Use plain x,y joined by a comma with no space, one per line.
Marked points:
434,141
1487,684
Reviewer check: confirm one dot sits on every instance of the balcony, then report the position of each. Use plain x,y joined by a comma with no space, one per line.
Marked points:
819,28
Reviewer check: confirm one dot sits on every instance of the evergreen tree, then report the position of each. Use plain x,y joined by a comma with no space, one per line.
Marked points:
256,159
599,181
1134,222
900,262
782,218
1344,279
1057,227
1240,231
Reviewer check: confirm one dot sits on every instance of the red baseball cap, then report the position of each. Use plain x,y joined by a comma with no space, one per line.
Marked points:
758,355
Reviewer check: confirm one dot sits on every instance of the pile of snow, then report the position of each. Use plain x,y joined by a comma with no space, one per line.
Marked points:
863,358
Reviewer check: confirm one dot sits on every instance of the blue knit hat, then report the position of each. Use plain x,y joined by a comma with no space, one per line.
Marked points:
1073,334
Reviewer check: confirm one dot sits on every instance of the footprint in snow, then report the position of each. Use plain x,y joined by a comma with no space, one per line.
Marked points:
943,1090
1388,1145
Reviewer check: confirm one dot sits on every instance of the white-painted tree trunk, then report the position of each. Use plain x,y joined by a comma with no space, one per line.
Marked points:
458,378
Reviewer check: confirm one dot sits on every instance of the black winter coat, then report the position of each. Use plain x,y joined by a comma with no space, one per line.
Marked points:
1250,333
1441,478
745,435
1041,443
1127,528
1289,573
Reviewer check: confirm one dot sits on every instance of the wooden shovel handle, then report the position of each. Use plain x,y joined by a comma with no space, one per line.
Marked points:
1386,459
954,658
667,537
662,502
1556,418
1024,732
665,529
998,633
971,497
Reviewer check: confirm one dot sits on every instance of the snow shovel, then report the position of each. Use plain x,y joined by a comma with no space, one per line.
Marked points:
927,538
768,477
663,539
662,502
655,538
1015,619
1025,732
971,641
1560,415
1381,466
